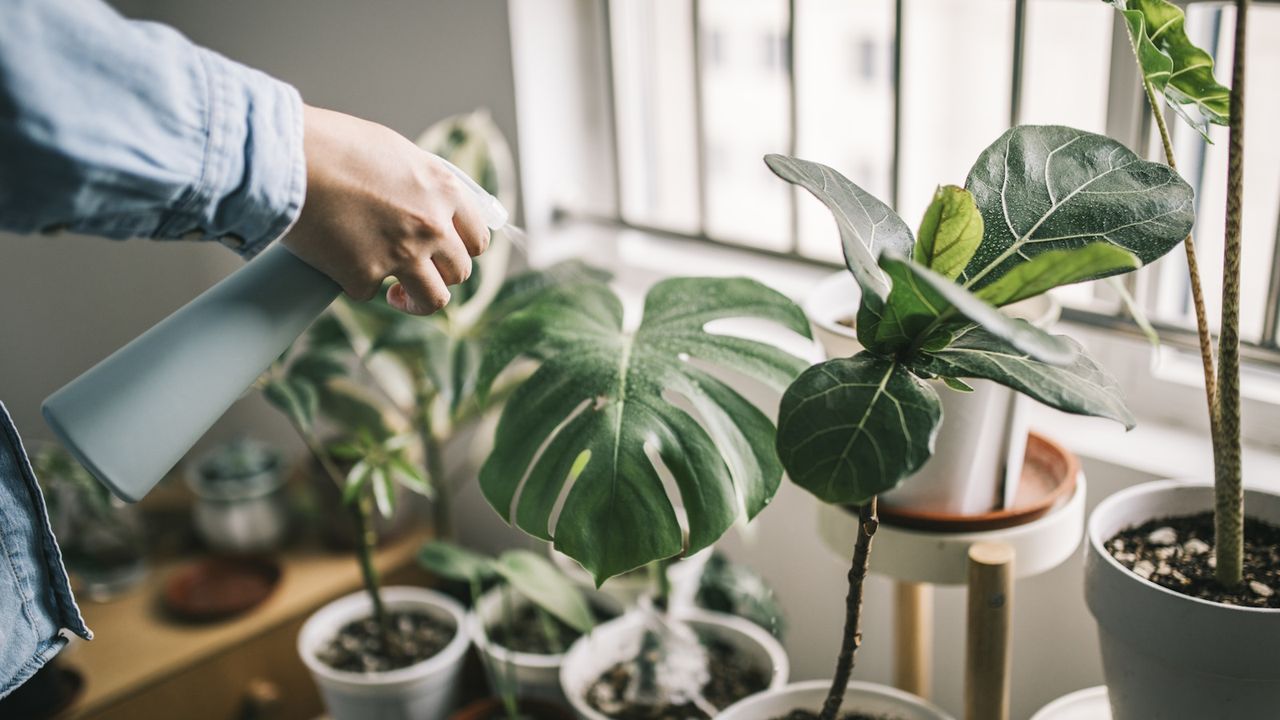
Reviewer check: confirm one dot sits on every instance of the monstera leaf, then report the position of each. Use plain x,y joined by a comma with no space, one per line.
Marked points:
852,428
867,226
1172,64
1044,188
581,429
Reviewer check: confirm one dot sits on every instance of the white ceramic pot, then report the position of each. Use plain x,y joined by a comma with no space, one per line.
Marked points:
984,433
426,690
619,640
536,676
622,591
867,698
1166,655
245,513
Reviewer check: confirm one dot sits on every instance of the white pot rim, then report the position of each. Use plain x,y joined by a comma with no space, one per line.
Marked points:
1097,542
480,636
855,686
349,607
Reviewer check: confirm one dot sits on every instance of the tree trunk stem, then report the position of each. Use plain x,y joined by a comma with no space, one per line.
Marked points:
868,522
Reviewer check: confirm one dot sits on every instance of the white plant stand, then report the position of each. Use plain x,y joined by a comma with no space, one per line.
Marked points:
985,561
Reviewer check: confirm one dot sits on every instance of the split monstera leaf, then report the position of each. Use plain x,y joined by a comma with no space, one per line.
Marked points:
1042,207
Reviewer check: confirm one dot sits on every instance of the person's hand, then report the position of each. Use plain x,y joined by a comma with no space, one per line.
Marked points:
378,206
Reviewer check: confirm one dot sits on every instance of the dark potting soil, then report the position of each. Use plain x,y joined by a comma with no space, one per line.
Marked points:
414,637
733,677
528,632
1177,553
809,715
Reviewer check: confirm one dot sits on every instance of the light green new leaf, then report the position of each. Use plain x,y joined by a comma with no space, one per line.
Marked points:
601,400
1172,64
867,226
1081,388
949,233
534,577
923,304
851,428
1057,267
455,562
1043,188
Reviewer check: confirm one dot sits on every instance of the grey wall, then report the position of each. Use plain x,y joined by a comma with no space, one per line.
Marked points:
66,302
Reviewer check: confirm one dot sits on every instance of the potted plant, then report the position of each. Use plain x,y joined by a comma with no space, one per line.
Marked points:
1185,587
1042,207
240,502
587,439
522,626
101,537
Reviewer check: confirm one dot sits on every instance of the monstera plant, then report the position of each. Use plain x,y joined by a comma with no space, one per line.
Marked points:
1042,207
609,405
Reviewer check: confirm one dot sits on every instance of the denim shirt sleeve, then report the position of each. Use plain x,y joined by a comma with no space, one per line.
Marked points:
122,128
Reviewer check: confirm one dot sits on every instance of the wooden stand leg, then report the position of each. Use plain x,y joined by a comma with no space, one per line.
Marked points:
913,635
987,642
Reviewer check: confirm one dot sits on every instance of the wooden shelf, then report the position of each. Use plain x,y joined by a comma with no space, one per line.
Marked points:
143,664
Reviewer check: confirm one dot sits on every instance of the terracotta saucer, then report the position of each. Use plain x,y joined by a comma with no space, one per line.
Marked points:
1049,475
220,587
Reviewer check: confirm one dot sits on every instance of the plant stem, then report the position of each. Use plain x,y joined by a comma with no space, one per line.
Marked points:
508,692
442,503
661,584
366,543
1228,489
868,522
1197,292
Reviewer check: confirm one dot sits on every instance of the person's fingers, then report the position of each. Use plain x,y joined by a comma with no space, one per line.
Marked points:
451,260
469,223
420,290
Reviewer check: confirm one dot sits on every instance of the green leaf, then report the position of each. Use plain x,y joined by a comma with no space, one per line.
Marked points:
327,333
957,384
354,408
1058,267
923,304
357,479
1173,65
296,398
949,233
384,492
1135,311
1081,388
1044,188
602,399
454,562
520,291
410,475
534,577
867,226
318,365
852,428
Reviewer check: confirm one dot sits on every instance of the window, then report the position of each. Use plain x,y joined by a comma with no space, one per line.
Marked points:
903,94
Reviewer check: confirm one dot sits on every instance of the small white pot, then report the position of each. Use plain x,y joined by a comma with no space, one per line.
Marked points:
619,640
863,697
623,591
1167,655
425,690
243,514
984,433
536,676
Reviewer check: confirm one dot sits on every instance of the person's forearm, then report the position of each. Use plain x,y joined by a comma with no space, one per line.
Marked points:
126,129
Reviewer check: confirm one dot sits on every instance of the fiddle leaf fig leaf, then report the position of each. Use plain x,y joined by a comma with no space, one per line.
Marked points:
851,428
1172,64
923,304
1044,188
601,402
949,233
1057,267
867,226
1081,388
534,577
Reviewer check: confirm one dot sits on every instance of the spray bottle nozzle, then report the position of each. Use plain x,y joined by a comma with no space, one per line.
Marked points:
495,215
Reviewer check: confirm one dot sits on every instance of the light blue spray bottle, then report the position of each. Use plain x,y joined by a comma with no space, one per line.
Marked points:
131,418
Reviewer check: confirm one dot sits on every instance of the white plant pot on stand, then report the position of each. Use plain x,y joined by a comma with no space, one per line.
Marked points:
982,440
868,698
427,689
620,640
1168,655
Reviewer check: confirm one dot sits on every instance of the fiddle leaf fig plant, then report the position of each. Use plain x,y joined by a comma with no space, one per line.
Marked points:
1042,207
592,425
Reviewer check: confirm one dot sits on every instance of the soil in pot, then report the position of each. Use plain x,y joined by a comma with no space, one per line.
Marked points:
810,715
733,677
414,636
493,709
1177,553
539,633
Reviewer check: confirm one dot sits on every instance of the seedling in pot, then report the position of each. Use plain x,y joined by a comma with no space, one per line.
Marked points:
560,613
1237,560
1042,207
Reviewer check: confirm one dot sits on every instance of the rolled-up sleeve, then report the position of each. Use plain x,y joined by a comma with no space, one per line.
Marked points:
122,128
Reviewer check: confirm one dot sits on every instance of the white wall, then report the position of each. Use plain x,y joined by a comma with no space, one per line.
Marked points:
66,302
